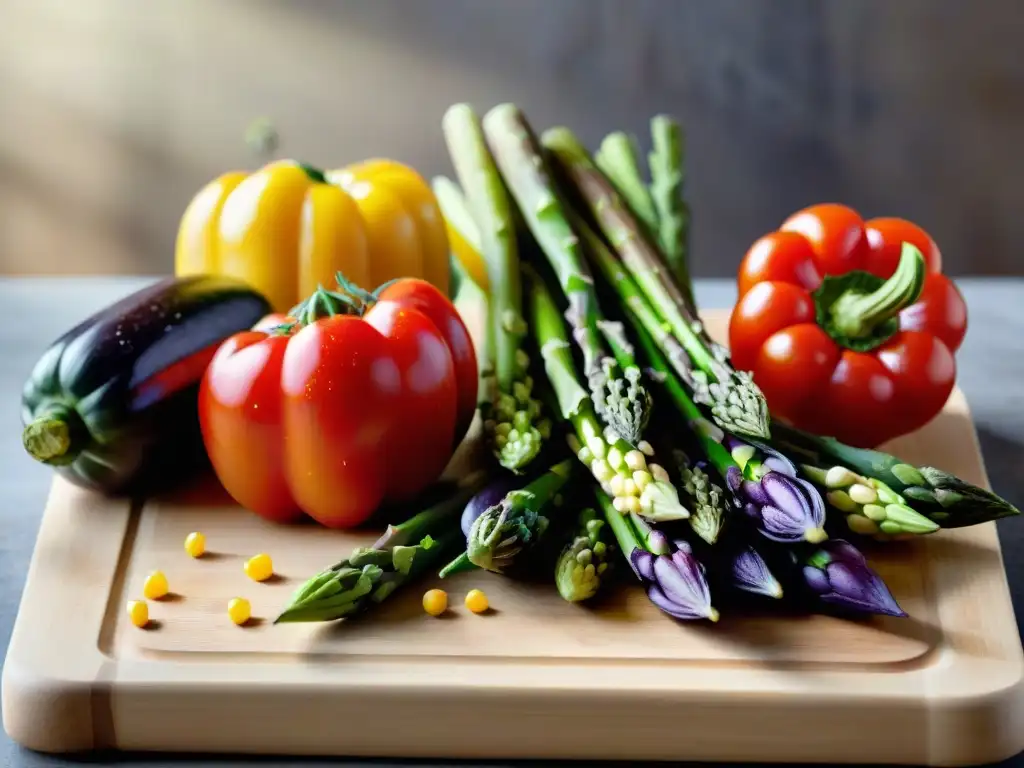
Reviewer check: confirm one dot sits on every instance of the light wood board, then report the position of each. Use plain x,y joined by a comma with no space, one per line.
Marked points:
537,678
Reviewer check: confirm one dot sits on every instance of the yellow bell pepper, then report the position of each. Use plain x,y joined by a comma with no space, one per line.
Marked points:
463,234
288,228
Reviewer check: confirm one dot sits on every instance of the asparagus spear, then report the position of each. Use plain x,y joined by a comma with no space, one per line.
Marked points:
514,524
871,507
944,498
708,501
624,472
673,580
584,560
367,576
617,159
617,393
666,162
512,416
736,403
837,574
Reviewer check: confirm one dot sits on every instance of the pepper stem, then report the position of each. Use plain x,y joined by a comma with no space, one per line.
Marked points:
857,315
50,438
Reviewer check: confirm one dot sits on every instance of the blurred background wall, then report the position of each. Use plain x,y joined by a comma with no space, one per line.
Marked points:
114,112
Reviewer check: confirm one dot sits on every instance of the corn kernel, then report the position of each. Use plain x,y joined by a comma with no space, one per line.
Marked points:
239,610
259,567
195,544
435,602
138,612
476,601
155,586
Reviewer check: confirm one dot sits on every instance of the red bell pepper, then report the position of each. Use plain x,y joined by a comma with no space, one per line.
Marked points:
848,326
358,400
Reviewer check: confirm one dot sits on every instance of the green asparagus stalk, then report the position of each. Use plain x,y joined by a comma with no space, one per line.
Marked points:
584,560
634,484
513,420
617,158
515,524
617,393
667,167
736,403
370,574
945,499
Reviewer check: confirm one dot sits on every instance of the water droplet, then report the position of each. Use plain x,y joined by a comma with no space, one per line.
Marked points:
177,315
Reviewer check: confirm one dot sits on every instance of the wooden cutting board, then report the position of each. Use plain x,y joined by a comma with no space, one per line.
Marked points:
537,678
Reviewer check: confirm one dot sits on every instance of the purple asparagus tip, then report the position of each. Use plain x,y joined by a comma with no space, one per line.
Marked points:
751,574
839,575
675,583
784,508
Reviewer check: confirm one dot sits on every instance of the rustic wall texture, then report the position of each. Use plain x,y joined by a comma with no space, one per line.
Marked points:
115,111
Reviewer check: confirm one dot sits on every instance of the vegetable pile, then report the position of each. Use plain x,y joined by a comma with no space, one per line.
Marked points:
619,432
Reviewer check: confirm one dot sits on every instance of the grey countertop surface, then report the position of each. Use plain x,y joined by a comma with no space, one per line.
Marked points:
34,311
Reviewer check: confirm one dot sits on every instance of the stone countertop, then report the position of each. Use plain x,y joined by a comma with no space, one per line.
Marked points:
35,311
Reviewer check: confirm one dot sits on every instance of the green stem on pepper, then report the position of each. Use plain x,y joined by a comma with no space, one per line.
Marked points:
859,310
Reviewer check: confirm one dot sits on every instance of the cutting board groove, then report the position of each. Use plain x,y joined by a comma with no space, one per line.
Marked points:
619,680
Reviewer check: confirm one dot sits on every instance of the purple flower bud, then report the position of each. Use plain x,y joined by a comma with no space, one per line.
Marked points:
643,564
683,545
733,478
751,574
658,542
679,587
731,442
839,575
786,509
775,461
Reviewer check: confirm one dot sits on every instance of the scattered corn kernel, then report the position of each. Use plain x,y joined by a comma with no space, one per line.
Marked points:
195,544
138,612
259,567
476,601
239,610
155,586
435,602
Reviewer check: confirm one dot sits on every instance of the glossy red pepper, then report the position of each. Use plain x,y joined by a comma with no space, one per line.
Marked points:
340,407
848,326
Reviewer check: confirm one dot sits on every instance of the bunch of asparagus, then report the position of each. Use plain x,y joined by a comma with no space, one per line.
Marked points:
592,327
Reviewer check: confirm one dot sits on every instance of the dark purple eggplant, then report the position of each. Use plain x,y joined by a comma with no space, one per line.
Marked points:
487,497
112,404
